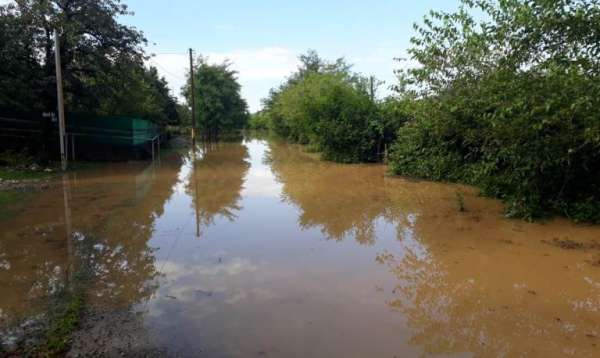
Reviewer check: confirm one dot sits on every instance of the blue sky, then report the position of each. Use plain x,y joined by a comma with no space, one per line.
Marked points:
263,38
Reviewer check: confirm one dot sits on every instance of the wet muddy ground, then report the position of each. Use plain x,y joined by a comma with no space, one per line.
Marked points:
257,249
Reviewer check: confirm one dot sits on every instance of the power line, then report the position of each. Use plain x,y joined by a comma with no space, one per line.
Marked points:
169,53
167,71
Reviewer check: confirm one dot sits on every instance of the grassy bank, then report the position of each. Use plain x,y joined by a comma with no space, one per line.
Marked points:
17,183
24,174
33,173
8,200
64,321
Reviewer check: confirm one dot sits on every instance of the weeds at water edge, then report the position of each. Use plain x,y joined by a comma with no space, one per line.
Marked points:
62,325
460,200
63,318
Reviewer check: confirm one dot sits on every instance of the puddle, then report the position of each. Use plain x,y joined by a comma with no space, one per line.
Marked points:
256,249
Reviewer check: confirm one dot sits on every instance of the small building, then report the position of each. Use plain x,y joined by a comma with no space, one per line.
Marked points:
112,138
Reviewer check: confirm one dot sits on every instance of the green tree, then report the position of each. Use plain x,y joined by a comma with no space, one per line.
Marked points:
327,112
220,106
333,110
259,121
139,91
310,63
21,72
184,114
509,103
102,59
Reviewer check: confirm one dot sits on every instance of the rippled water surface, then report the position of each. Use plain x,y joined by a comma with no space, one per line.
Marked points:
257,249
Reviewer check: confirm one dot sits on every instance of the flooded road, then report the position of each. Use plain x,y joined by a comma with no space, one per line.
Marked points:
257,249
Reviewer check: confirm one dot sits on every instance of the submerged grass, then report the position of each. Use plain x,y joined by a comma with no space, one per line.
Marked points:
35,172
62,319
64,312
64,322
10,202
8,197
460,200
7,173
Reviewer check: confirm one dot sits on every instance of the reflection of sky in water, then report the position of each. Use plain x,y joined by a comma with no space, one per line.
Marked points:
286,272
184,173
292,256
257,268
260,181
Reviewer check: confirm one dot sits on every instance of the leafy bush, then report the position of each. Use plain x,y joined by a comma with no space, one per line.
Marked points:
511,105
326,111
331,110
16,159
259,121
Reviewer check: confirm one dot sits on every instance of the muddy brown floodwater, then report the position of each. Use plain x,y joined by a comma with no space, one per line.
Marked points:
257,249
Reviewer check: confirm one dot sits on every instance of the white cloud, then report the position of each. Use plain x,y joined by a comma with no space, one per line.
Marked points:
269,63
258,69
261,69
233,267
6,2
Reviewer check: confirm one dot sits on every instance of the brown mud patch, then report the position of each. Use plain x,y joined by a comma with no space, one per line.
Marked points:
568,244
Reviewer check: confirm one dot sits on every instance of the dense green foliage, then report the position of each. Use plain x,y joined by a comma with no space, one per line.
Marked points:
102,60
326,111
511,104
332,110
220,106
259,121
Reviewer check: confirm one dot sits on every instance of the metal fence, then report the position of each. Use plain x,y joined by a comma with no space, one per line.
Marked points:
110,138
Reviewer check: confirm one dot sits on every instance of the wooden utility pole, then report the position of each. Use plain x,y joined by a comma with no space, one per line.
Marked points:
193,94
61,102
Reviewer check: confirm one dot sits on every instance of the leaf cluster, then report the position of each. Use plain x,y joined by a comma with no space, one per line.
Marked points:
509,103
103,60
333,111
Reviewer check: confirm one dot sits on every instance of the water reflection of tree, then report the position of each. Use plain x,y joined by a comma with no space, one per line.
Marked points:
111,219
341,200
472,303
30,267
217,179
117,254
461,286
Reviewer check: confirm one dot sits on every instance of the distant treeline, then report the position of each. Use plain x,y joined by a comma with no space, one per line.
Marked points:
505,95
332,110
